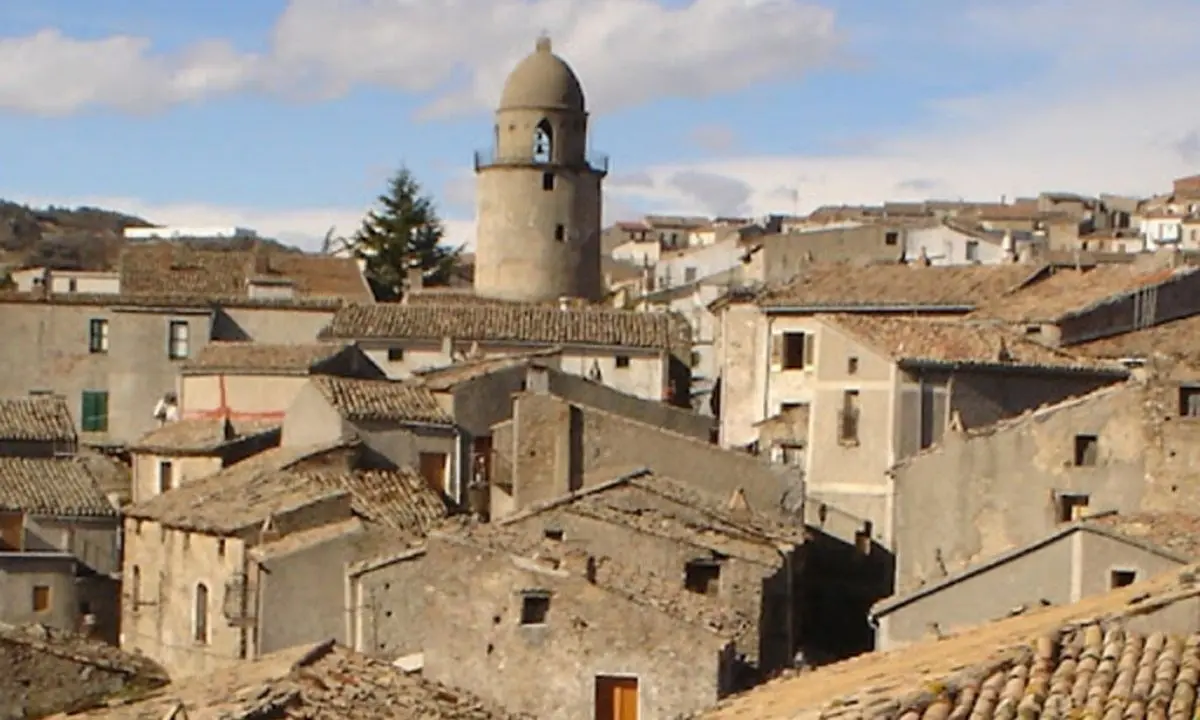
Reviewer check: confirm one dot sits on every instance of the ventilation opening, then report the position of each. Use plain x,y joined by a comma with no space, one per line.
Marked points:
548,181
555,534
702,577
534,608
1087,450
1121,578
560,233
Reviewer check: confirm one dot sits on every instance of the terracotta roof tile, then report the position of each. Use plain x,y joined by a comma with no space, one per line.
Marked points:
1079,660
42,418
846,286
520,323
445,378
452,296
241,495
957,341
1179,339
261,358
1067,291
51,486
400,499
310,681
1176,532
200,435
323,276
383,400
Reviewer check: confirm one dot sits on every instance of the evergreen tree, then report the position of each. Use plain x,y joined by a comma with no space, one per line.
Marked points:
403,232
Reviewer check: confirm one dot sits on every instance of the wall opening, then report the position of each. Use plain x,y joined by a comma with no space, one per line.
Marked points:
622,361
547,181
1189,401
560,233
852,366
166,476
555,534
848,418
702,577
616,698
543,142
1087,450
795,350
41,598
200,624
1119,578
535,608
1071,506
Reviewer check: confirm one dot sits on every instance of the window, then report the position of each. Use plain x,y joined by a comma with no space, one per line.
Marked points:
548,181
395,354
789,406
622,361
177,340
1121,578
135,588
1071,506
535,607
543,142
166,478
555,534
72,285
98,335
200,624
695,360
560,233
1087,450
41,598
972,251
852,366
702,577
1033,330
797,350
848,418
891,238
94,414
689,275
221,547
1189,401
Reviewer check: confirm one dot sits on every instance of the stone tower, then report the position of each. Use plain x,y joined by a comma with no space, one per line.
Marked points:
538,234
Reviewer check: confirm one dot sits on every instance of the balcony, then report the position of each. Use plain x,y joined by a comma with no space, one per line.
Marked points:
487,157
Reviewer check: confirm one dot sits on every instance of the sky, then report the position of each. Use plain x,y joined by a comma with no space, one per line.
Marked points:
287,116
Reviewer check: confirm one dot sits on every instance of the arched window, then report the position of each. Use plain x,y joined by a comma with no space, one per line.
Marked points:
201,617
135,588
543,142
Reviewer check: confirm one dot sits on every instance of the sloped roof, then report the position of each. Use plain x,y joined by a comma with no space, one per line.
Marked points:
37,418
382,400
200,435
51,486
252,357
1067,291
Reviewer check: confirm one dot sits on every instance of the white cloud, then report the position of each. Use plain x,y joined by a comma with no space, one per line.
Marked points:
457,52
714,138
1114,110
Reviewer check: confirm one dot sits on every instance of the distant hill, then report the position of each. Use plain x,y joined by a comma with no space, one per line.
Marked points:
83,238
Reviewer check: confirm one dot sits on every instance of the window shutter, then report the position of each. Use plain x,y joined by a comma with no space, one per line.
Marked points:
85,420
777,352
102,411
810,349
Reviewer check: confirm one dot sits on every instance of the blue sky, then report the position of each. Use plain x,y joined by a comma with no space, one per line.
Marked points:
287,116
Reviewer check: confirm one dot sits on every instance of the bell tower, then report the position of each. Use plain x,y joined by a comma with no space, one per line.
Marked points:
539,189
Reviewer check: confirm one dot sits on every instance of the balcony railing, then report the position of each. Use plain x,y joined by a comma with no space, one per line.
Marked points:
488,157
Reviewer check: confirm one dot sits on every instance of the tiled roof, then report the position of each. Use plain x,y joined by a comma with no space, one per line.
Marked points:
381,400
1079,660
400,499
200,435
318,682
444,378
1068,291
51,486
37,418
844,285
172,269
505,323
1175,532
241,495
1179,339
252,357
451,296
957,341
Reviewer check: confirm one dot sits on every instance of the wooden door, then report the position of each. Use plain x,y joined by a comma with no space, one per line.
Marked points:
433,469
12,531
616,698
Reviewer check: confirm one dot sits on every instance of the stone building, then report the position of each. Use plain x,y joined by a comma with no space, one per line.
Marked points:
539,189
115,355
643,354
539,629
1075,561
251,560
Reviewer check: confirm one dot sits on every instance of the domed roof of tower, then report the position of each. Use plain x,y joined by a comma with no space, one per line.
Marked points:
542,80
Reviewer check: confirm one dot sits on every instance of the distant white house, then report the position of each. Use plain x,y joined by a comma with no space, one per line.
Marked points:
180,231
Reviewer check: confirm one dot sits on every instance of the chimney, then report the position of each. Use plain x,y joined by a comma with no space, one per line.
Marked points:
1008,247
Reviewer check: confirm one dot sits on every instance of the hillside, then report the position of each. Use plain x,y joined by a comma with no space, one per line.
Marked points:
82,238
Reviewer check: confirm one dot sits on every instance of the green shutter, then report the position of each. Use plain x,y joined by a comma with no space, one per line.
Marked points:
102,411
94,415
86,412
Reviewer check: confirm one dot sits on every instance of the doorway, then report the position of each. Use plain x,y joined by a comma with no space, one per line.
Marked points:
616,698
433,470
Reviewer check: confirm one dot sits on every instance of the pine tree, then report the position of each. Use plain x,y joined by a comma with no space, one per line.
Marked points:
404,232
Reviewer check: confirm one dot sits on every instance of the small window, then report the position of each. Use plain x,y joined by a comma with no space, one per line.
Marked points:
972,251
177,340
135,591
166,476
1033,330
98,335
702,577
1087,450
548,181
788,406
535,607
1121,578
200,625
41,598
852,366
848,417
72,285
560,233
891,238
622,361
695,360
689,275
1189,401
1071,506
555,534
221,547
395,354
862,540
796,351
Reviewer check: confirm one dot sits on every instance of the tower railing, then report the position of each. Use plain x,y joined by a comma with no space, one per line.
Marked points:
490,157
